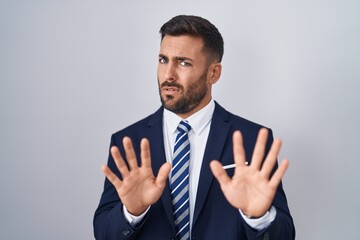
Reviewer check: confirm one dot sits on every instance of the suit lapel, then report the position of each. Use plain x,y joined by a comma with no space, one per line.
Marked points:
156,139
218,134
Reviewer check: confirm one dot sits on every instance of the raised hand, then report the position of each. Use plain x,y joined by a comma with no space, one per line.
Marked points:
139,188
251,189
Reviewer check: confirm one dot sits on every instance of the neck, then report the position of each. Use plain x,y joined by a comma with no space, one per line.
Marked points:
194,110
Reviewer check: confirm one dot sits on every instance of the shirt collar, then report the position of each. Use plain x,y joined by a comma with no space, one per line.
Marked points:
197,121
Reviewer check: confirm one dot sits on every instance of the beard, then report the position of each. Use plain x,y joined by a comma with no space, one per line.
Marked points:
190,98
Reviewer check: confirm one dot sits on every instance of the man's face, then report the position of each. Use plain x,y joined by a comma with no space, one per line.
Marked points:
183,75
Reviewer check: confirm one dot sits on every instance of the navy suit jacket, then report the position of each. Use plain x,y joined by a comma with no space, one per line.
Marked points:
214,218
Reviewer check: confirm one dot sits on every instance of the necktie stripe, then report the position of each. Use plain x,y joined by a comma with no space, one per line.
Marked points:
178,210
180,182
183,153
182,234
181,217
181,139
181,148
178,171
184,225
180,198
186,236
178,168
184,126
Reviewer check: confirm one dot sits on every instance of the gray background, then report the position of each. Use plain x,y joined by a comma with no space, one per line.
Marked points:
74,72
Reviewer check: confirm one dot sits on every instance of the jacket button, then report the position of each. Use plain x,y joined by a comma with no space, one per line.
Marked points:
126,232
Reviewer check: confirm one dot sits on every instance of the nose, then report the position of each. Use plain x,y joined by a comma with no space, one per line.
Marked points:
170,72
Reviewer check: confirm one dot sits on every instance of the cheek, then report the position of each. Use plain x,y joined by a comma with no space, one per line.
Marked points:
159,71
184,82
160,75
187,78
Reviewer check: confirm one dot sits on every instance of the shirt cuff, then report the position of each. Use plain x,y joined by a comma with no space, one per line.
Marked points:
261,222
133,220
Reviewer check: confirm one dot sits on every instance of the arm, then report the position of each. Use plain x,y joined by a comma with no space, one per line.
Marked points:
129,185
255,188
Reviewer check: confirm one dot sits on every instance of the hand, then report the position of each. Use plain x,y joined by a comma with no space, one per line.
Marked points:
139,188
251,189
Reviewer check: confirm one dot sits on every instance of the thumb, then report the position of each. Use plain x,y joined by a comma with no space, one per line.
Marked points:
219,173
163,175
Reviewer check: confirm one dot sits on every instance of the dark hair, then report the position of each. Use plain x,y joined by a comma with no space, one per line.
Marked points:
197,27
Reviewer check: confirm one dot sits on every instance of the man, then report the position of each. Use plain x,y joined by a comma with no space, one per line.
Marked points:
161,180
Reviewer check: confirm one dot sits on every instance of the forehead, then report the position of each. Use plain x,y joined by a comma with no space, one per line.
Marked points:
184,46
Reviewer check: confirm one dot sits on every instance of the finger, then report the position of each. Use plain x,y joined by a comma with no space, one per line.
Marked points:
163,175
271,158
219,173
238,149
279,174
130,153
259,150
119,161
145,153
115,181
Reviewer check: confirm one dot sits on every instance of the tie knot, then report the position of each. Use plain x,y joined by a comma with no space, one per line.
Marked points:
184,126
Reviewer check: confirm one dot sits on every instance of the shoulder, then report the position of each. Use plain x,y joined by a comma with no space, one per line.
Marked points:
137,129
249,129
236,121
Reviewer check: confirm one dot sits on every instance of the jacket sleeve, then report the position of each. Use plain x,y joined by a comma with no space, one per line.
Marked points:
109,220
282,227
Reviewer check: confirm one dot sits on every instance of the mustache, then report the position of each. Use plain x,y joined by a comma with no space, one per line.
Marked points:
171,84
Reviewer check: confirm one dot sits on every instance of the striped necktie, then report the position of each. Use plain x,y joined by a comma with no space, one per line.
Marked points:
180,182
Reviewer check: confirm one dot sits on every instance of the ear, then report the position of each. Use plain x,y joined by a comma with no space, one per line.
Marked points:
214,72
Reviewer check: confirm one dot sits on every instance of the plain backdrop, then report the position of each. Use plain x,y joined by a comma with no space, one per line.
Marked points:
74,72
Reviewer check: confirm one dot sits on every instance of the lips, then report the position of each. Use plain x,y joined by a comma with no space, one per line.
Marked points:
170,89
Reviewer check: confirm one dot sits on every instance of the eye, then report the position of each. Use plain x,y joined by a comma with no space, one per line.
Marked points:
162,60
185,63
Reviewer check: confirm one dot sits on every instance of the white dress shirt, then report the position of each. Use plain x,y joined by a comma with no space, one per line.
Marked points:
200,127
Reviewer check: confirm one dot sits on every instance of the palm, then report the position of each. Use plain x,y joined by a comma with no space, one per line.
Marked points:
139,188
251,189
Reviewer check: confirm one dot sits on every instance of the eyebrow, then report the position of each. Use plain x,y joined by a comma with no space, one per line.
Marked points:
177,58
183,58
